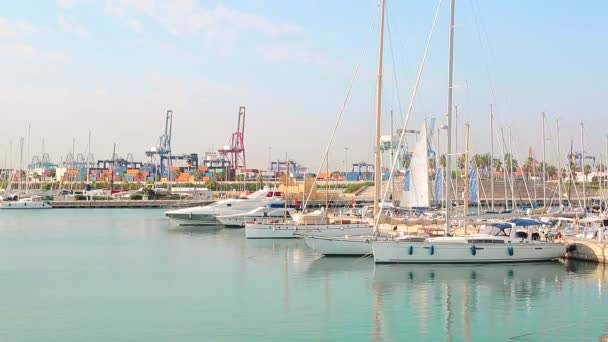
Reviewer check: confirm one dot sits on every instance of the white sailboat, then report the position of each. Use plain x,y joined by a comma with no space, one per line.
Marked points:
32,202
416,195
493,245
416,192
501,242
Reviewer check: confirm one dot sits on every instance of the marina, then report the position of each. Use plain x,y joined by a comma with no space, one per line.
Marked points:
425,171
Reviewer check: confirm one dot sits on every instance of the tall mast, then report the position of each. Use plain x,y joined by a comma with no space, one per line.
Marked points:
87,165
504,169
544,165
606,174
112,170
448,170
378,113
457,193
438,167
559,168
511,174
466,176
27,157
20,167
583,166
492,155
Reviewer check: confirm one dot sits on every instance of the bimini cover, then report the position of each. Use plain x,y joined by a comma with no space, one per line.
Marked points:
519,223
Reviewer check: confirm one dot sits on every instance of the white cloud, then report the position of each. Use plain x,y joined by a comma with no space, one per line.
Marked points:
70,25
23,51
299,53
180,16
135,25
14,29
67,3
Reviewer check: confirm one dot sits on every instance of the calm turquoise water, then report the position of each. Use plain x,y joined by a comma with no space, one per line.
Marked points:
125,275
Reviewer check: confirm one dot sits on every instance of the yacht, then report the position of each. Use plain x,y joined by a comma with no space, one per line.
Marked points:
207,215
33,202
496,243
270,211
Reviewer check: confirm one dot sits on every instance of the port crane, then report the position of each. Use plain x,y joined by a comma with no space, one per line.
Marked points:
235,152
164,150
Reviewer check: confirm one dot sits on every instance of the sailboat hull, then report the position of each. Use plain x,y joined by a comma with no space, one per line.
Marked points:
426,252
341,245
292,231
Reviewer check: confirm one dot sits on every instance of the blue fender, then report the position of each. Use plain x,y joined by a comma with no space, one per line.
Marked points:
473,250
510,250
410,250
431,249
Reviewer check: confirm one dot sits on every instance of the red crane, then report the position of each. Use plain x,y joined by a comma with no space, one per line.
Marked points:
236,149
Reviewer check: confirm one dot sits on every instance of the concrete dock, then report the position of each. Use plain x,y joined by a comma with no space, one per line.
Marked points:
139,204
588,250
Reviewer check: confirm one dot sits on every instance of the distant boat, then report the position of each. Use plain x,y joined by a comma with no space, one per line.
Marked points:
33,202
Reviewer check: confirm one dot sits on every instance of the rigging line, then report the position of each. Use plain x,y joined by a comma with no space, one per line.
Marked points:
333,134
340,113
476,18
395,79
411,105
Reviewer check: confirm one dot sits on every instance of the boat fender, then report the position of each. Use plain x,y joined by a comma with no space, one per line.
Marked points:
431,249
410,250
273,230
571,247
190,215
473,250
510,250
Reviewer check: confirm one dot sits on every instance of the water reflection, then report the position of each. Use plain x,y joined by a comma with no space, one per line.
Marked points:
194,230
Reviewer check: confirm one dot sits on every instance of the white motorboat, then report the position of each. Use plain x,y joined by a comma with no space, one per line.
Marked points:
33,202
270,211
498,243
207,215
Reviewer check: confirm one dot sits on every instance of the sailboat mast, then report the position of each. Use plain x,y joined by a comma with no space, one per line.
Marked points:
378,112
492,155
19,187
504,169
544,165
583,166
466,176
457,193
27,157
559,167
448,170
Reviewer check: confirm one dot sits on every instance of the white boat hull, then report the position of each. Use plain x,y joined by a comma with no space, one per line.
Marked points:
291,231
25,205
240,221
194,220
341,245
426,252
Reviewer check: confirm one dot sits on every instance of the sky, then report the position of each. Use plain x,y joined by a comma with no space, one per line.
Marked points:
114,67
